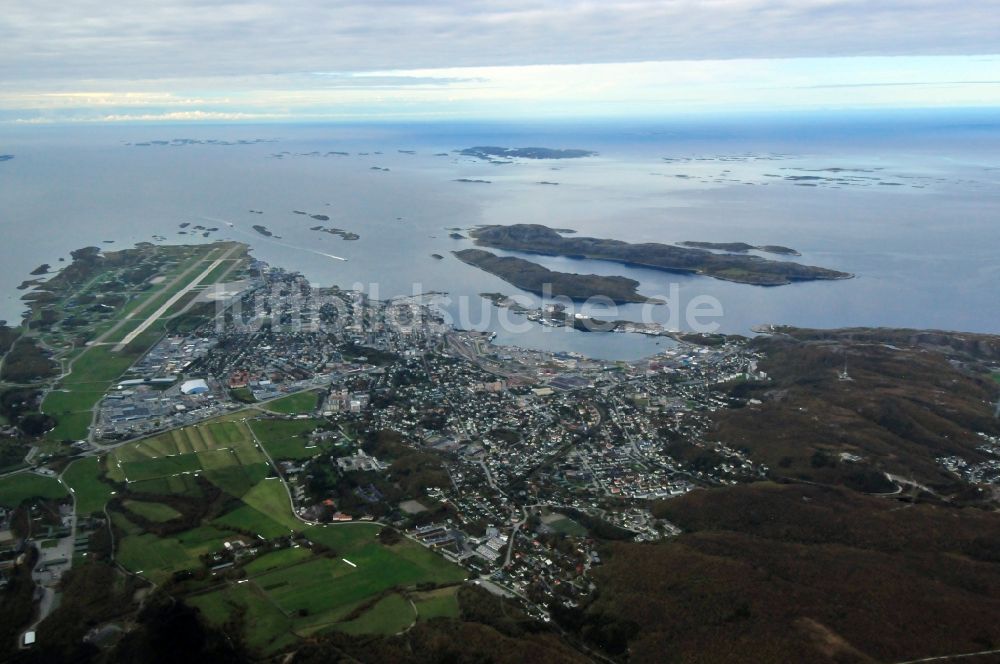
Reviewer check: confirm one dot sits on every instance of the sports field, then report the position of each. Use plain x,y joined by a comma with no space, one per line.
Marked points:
294,404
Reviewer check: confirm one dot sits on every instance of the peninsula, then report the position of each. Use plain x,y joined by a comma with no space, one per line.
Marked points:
754,270
534,278
742,247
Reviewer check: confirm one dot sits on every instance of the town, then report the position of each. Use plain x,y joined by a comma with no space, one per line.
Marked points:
520,454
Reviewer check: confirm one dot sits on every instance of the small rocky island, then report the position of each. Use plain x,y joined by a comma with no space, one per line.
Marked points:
754,270
540,280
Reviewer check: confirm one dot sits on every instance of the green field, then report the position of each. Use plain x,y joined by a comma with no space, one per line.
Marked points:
389,615
286,439
290,592
246,518
567,526
83,476
277,559
159,557
15,489
266,628
152,511
271,498
440,603
223,451
294,404
996,376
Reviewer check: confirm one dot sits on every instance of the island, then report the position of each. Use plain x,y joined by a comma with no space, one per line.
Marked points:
344,235
262,230
540,280
742,247
41,269
6,157
491,152
753,270
456,236
473,181
437,257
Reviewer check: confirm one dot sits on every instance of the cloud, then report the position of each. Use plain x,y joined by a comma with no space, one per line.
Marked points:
173,116
194,38
317,59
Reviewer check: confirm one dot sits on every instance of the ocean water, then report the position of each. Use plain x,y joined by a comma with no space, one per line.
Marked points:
907,202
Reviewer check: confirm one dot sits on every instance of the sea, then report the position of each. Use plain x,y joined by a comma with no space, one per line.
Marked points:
906,201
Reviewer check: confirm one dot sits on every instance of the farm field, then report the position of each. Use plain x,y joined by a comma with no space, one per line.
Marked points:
335,577
152,511
15,489
286,439
83,476
389,615
157,558
222,451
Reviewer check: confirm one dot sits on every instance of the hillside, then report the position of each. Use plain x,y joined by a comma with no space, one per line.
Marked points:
909,398
804,573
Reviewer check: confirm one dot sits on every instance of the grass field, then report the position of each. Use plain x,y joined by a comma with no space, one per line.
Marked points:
252,520
286,439
83,476
389,615
152,511
223,451
266,628
292,592
159,557
294,404
996,376
277,559
440,603
270,498
15,489
567,526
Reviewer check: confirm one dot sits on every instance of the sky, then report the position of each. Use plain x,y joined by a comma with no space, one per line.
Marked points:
276,60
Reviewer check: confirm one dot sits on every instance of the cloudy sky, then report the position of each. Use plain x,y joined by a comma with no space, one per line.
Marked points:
147,60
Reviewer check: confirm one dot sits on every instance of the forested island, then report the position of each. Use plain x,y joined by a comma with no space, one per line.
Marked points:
534,278
754,270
